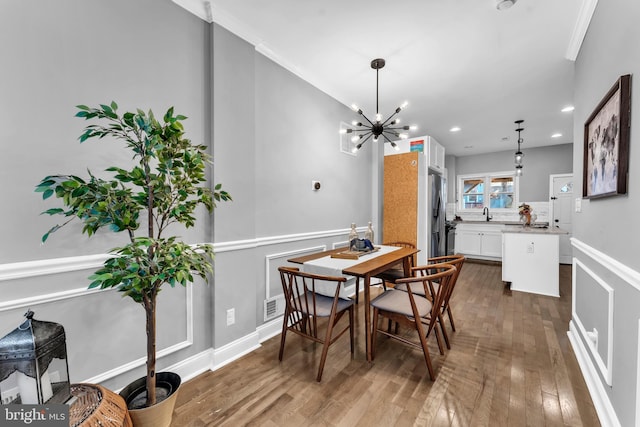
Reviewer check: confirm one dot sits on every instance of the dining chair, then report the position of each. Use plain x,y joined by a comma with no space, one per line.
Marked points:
456,260
394,273
304,306
411,309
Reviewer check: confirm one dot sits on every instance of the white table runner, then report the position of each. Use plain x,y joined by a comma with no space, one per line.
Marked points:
328,266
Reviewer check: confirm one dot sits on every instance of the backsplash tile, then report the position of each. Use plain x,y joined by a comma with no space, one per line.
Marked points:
540,209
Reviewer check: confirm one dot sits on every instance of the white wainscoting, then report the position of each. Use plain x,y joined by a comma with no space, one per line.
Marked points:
578,335
192,366
29,269
605,366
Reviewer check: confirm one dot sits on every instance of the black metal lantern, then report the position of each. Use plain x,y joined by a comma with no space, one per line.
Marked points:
33,364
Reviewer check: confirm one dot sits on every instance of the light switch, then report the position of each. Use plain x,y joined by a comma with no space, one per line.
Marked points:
578,205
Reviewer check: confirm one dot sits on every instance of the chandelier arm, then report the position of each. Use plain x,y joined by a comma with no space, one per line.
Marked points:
387,138
367,119
390,117
360,144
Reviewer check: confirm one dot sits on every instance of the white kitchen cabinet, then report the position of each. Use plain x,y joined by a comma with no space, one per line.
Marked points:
436,156
482,241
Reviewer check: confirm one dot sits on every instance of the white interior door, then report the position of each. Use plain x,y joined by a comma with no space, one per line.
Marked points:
561,195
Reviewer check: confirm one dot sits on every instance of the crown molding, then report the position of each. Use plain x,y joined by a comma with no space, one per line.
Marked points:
580,29
205,10
200,8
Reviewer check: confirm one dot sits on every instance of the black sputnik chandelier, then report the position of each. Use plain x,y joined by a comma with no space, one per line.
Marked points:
388,129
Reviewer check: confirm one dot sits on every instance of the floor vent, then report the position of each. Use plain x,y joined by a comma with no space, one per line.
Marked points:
273,308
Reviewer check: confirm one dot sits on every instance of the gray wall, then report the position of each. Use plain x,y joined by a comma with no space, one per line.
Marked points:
273,135
55,55
269,131
606,244
538,163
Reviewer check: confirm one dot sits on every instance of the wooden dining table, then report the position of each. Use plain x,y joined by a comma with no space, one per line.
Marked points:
366,269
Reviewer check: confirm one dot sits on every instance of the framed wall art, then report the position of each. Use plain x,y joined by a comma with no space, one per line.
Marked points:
606,143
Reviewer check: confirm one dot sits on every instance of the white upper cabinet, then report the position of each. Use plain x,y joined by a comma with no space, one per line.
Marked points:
436,156
426,144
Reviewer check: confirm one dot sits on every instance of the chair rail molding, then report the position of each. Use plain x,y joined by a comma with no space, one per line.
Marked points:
629,275
21,270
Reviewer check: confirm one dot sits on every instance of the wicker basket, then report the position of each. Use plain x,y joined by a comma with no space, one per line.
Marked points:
97,406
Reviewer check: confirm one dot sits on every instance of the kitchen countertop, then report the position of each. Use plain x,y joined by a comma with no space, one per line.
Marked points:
494,222
533,230
487,222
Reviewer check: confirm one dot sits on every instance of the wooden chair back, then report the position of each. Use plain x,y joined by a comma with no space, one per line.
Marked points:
456,260
306,304
413,309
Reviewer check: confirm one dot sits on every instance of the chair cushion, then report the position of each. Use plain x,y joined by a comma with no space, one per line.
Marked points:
392,274
416,288
323,305
398,302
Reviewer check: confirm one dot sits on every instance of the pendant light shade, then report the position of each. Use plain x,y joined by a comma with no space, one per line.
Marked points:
519,154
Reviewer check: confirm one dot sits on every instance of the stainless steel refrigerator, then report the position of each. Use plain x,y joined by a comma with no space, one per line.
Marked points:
437,207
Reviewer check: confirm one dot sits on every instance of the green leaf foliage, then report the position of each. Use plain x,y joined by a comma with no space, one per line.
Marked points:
165,186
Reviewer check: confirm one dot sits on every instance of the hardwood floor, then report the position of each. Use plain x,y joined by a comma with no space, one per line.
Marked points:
510,364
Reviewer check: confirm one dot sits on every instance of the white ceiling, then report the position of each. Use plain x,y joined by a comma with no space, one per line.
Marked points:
458,62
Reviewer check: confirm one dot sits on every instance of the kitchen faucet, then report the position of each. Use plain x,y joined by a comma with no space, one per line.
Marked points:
485,211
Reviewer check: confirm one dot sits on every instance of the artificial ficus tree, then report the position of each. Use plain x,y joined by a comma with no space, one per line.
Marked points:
165,184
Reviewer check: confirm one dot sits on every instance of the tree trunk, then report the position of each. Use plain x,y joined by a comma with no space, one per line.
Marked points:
150,310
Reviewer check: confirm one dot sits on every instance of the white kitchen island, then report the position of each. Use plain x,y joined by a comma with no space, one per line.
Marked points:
530,259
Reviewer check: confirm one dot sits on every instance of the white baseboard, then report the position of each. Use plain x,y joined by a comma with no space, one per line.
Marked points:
601,402
217,358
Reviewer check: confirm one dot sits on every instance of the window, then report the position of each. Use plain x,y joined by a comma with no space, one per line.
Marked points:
495,191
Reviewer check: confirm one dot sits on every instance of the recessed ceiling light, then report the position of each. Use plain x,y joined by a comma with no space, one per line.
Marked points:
504,4
455,129
568,108
556,135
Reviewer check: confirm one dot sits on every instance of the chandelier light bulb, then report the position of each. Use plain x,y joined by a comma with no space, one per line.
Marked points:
356,123
355,108
403,136
354,138
375,138
519,170
518,157
343,131
404,105
378,117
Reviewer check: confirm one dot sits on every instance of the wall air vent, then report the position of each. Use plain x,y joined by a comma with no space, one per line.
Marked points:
273,307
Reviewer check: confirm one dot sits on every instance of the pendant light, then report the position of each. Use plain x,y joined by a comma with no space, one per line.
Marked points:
519,155
377,128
